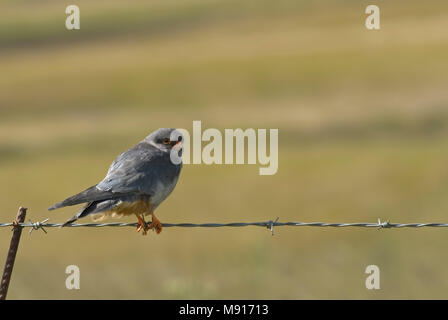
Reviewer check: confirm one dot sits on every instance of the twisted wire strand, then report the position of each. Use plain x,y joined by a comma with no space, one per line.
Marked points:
267,224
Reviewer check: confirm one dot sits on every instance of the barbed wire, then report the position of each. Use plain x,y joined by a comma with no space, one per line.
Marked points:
267,224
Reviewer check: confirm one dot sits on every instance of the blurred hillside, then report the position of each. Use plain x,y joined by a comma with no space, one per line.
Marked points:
362,117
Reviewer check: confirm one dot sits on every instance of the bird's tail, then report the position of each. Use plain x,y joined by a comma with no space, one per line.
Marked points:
69,221
92,208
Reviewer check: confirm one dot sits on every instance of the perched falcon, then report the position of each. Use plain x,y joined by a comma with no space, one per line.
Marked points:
137,182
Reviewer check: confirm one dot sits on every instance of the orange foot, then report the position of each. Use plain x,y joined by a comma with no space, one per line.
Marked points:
142,225
155,224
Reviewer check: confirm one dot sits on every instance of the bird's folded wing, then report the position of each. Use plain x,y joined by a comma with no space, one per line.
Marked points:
132,173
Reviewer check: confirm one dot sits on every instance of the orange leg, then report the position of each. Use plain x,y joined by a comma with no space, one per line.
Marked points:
142,225
155,224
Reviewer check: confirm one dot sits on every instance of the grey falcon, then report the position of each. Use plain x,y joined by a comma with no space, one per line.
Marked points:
137,182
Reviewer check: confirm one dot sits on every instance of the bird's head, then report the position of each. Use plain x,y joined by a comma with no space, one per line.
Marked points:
165,139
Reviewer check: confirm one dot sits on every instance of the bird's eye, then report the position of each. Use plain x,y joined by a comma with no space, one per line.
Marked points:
166,141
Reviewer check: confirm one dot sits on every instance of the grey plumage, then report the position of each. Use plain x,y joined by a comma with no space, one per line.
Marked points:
142,173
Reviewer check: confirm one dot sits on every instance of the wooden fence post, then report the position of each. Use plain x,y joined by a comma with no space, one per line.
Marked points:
14,245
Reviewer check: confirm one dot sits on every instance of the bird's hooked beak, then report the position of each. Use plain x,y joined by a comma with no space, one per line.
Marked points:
176,144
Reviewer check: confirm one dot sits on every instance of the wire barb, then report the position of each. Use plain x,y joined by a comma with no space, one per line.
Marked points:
383,225
271,225
38,225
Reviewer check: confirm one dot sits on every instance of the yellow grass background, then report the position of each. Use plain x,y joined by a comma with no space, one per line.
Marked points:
362,118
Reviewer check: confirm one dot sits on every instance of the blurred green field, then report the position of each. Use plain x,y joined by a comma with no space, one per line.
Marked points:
362,118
